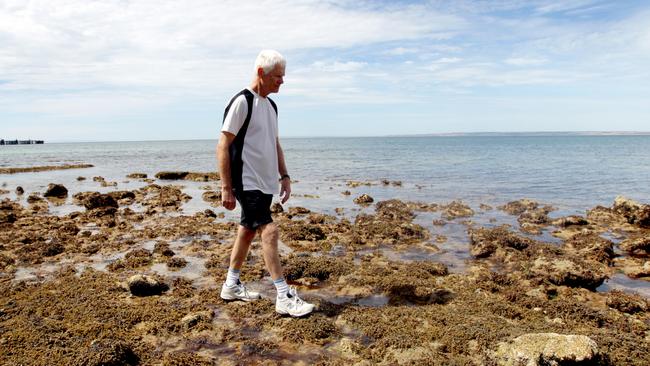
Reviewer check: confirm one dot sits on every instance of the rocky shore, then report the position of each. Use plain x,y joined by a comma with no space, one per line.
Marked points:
128,278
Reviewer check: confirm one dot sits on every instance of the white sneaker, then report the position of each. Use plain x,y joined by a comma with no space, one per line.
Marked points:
238,292
292,304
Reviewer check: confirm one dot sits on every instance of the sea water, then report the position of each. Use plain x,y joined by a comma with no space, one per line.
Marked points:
570,173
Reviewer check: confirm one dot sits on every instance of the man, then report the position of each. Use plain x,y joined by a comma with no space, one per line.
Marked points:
251,163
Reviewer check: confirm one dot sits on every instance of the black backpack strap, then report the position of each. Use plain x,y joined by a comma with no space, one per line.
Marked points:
237,146
275,106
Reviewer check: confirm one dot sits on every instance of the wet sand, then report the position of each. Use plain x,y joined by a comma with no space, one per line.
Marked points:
391,284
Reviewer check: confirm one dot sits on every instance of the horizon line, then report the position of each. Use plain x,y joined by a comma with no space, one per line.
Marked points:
433,134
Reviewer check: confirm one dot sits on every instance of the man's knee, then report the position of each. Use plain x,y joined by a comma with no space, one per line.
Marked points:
246,234
270,234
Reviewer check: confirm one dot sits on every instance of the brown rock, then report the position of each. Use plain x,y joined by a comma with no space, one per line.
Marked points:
363,199
98,200
143,285
56,190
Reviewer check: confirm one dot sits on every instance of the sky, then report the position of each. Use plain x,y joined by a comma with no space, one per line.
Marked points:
112,70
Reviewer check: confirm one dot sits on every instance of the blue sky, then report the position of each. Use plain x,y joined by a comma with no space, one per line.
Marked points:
80,70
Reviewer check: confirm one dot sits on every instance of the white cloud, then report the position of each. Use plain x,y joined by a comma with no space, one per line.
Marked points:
524,61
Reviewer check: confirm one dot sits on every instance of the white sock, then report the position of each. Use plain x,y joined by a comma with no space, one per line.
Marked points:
281,286
233,277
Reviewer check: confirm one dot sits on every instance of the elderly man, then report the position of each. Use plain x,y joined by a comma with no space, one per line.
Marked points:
252,166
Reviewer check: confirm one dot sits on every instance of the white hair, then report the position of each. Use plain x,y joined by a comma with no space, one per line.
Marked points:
268,60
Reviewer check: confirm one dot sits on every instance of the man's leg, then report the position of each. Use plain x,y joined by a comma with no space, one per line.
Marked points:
287,301
233,289
243,242
269,233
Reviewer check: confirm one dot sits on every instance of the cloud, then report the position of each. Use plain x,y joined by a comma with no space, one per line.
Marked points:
523,61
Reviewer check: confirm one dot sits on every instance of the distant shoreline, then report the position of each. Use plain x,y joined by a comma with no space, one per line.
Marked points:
442,134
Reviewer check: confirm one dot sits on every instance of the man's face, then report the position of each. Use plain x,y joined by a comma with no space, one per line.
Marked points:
273,79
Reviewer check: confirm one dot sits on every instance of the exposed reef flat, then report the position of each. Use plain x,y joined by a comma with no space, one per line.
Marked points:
128,278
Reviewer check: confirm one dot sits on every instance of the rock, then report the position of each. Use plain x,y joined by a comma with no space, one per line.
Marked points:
346,193
363,199
137,176
548,349
163,249
213,197
202,177
7,217
456,209
277,208
108,352
56,190
570,272
519,207
293,211
81,179
143,285
20,190
626,303
570,221
485,241
191,320
209,213
176,263
33,198
122,195
98,200
637,246
172,175
635,213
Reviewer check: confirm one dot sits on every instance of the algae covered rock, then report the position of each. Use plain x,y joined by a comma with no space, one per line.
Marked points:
635,213
548,349
56,191
143,285
363,199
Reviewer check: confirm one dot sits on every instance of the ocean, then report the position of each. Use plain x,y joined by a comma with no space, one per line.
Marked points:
570,173
573,173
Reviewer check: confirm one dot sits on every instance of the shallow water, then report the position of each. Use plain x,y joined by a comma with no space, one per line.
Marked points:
571,173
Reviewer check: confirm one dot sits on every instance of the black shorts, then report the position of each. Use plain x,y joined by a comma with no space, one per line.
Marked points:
255,208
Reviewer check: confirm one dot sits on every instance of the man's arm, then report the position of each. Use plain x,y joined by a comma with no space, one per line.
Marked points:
223,159
285,183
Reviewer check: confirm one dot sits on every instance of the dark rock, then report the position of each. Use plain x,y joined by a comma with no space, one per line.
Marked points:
98,200
143,285
33,198
19,190
137,176
120,195
172,175
209,213
56,190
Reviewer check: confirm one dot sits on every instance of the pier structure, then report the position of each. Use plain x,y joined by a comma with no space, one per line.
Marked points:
21,142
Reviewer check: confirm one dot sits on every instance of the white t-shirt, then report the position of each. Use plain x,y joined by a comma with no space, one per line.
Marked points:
259,152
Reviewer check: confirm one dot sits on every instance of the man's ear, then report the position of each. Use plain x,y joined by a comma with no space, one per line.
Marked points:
260,72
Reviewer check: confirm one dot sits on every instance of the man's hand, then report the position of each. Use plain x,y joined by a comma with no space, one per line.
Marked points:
285,190
228,199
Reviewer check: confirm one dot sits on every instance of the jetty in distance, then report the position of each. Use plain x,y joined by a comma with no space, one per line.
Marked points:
21,142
